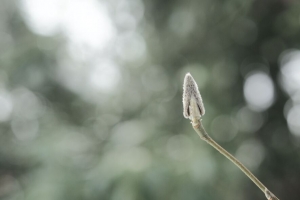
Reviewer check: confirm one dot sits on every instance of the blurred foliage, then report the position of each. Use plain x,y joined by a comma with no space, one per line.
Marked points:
96,113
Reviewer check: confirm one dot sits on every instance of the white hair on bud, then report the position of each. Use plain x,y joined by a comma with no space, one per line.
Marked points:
192,101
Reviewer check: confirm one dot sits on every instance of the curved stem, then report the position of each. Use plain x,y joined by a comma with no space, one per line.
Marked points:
197,125
213,143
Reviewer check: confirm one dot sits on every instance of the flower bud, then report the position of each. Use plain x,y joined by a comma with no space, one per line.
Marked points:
193,107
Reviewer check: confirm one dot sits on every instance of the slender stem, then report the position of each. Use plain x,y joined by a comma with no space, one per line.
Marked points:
213,143
197,125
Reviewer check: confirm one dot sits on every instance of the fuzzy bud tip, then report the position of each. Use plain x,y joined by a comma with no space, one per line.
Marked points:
193,107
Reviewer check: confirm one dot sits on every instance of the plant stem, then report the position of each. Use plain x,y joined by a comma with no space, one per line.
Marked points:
197,125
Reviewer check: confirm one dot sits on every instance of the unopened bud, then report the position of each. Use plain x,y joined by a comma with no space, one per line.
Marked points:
193,107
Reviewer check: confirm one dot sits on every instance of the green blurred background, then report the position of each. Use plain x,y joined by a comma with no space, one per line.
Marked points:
91,98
